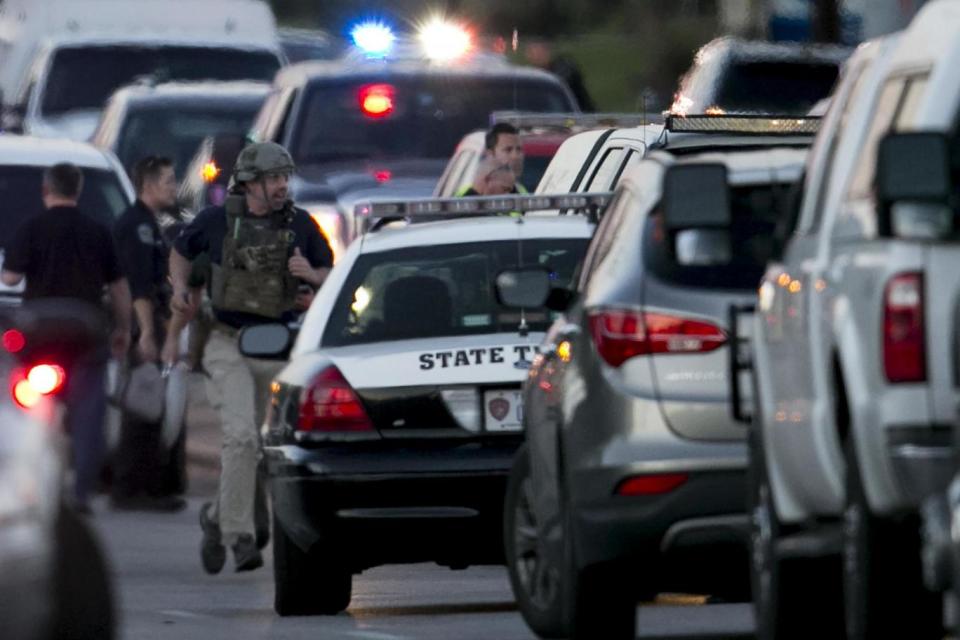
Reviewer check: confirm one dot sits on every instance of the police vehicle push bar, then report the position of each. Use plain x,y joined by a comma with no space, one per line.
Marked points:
439,208
763,125
524,120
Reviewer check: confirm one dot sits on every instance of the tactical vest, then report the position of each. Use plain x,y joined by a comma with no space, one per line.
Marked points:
252,276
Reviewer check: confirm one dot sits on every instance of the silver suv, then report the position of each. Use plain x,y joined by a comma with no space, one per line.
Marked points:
631,480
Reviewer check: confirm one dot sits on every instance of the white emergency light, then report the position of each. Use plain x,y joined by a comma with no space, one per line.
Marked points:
444,41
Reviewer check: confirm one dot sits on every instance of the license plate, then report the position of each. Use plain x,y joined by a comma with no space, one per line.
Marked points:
503,410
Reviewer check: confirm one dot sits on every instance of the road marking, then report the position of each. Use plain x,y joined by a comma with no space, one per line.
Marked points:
374,635
178,613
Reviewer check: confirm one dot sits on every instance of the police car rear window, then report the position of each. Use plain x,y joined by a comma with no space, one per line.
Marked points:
756,213
83,78
176,130
102,197
423,118
442,290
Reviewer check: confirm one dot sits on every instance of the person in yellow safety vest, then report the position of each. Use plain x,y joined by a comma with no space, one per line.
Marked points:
503,144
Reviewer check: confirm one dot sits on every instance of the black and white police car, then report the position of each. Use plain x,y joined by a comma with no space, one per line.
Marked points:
391,432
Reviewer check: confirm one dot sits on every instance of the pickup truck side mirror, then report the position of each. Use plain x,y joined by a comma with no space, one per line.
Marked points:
913,184
697,213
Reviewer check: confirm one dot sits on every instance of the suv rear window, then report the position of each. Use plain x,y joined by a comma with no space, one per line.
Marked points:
757,211
428,116
83,78
442,290
176,130
102,198
788,88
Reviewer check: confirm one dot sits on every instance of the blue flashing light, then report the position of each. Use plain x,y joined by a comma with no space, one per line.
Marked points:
374,38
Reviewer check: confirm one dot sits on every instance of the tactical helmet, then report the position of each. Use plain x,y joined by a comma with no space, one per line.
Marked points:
261,158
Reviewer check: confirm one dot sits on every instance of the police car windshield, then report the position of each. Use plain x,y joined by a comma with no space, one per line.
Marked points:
424,117
102,198
83,78
176,130
442,290
789,88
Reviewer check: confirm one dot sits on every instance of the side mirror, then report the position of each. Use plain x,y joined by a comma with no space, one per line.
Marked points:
523,288
271,341
697,212
914,169
696,196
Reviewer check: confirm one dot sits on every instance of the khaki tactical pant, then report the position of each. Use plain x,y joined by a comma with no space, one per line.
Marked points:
239,389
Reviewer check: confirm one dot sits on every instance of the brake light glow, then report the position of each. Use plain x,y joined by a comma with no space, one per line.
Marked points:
444,41
40,380
377,100
375,39
210,171
383,175
904,335
329,403
14,341
651,485
621,334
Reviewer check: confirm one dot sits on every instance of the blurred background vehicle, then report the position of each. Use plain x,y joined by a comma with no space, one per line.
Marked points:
66,57
172,119
300,45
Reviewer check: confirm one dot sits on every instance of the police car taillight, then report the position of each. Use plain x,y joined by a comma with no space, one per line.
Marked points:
621,334
329,403
376,100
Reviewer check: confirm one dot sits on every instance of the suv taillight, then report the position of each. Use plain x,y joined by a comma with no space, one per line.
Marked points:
904,340
620,334
329,403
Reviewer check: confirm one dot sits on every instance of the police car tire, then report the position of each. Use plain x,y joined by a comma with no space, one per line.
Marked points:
307,584
882,571
546,619
83,597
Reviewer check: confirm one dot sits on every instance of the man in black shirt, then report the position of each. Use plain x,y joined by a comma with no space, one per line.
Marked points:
66,254
262,249
138,463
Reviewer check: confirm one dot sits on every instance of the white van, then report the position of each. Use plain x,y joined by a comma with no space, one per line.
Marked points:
61,59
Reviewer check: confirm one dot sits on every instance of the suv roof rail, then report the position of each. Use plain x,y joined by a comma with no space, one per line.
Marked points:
370,216
744,124
532,120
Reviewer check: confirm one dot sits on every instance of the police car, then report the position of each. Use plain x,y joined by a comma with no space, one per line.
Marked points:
381,121
391,432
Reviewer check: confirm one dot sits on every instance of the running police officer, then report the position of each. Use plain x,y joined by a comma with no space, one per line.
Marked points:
137,465
262,249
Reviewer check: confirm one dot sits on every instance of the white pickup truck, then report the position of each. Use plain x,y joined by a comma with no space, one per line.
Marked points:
855,352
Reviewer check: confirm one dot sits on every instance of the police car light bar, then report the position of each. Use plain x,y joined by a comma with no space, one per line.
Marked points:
762,125
526,120
439,208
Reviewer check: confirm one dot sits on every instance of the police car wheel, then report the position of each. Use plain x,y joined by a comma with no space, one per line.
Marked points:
534,579
83,597
882,571
307,583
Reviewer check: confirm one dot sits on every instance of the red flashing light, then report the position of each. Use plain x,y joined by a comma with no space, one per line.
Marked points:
377,100
331,404
30,386
383,176
651,485
14,341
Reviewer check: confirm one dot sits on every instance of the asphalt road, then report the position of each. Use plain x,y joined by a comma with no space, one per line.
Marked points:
162,593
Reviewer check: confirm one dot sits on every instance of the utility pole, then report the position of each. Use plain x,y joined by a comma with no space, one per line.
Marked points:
826,21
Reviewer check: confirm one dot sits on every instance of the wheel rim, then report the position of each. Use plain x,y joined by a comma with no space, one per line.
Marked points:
761,553
537,577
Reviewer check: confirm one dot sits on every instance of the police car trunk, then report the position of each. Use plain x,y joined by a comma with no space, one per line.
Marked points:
395,424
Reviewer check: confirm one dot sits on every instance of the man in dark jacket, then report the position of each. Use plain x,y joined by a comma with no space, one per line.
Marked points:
137,466
65,254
